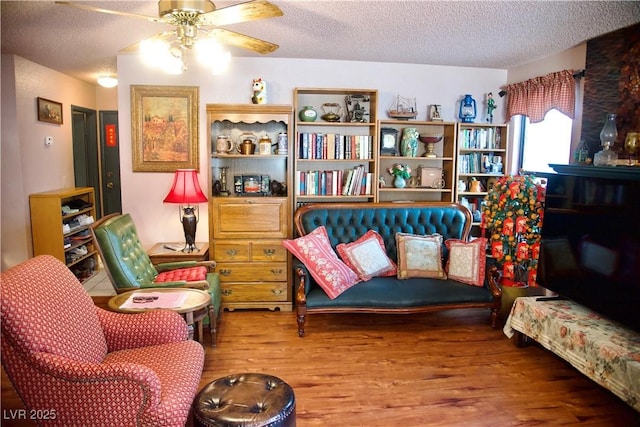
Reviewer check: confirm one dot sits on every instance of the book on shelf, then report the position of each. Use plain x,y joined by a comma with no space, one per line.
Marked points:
351,182
480,138
333,146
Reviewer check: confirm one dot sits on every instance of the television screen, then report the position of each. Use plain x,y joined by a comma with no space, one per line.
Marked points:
590,250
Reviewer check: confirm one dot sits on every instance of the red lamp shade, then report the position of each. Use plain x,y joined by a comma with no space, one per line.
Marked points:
185,189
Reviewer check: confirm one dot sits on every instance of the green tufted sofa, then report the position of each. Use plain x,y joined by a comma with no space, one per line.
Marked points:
346,222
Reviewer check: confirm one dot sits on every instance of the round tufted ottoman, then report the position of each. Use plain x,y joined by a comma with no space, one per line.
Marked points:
247,400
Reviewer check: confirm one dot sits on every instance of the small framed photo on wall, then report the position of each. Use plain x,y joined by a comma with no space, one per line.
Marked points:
49,111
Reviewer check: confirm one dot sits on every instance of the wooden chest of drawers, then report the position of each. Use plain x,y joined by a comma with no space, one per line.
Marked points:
254,267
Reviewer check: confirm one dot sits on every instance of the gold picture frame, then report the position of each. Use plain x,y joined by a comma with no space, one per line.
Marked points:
164,128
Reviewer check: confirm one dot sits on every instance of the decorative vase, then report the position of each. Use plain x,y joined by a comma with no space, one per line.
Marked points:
399,182
308,114
409,145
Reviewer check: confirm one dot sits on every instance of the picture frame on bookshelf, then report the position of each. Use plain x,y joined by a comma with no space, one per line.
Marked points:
434,113
358,108
388,142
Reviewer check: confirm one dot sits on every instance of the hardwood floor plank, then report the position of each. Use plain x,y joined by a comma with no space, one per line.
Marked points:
432,369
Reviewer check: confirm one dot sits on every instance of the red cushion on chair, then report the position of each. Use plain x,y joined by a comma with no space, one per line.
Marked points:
192,274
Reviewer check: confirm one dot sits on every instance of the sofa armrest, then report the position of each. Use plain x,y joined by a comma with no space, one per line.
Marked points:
140,384
302,276
123,331
492,277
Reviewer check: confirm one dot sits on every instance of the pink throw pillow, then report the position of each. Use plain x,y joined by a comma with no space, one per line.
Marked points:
316,253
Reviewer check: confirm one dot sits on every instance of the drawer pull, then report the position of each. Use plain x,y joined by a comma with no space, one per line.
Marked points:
232,252
276,271
225,272
227,292
277,292
269,252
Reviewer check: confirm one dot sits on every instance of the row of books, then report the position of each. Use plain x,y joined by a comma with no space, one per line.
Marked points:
351,182
479,163
331,146
482,138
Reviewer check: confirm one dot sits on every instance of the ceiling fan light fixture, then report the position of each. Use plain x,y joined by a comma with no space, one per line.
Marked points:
162,55
107,81
211,54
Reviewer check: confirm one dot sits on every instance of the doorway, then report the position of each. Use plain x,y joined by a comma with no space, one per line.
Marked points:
110,150
97,164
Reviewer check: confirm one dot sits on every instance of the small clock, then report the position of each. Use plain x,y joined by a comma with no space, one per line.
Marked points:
388,142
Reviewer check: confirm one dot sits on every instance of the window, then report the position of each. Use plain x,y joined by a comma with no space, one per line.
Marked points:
548,141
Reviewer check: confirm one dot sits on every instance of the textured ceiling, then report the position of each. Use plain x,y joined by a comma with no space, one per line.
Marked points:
496,34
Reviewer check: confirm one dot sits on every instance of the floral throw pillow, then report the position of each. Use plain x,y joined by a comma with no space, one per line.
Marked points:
316,253
367,256
419,256
467,260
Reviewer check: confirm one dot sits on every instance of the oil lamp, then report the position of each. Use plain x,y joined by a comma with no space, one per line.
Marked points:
468,109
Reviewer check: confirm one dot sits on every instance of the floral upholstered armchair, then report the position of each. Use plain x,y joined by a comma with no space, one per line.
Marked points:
87,366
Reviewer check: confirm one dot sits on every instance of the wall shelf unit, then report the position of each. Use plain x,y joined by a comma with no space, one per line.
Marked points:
60,221
335,160
431,170
483,157
248,221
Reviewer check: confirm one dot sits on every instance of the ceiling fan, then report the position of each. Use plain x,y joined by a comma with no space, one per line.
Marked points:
193,17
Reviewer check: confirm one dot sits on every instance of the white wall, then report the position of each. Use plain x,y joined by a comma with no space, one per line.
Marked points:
28,166
142,193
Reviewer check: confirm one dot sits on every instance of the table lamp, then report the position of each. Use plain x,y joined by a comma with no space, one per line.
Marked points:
186,192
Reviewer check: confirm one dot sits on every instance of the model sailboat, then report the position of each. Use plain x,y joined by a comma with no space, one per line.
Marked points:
403,108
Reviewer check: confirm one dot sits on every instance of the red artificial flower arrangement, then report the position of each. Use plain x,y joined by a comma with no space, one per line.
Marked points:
512,216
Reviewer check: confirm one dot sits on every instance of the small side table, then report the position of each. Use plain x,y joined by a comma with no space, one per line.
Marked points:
171,252
195,308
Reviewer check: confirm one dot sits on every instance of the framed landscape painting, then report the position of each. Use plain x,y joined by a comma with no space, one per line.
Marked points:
164,128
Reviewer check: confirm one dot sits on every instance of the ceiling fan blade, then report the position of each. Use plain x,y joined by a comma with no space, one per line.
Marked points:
110,12
243,12
243,41
164,36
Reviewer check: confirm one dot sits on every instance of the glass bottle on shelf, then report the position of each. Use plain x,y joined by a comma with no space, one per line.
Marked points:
608,135
581,154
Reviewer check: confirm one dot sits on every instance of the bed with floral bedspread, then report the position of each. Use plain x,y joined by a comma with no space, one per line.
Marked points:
601,349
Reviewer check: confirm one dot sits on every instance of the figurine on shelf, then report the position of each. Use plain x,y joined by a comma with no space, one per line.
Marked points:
259,91
491,105
277,188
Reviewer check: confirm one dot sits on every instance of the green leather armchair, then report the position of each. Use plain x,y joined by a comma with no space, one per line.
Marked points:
129,267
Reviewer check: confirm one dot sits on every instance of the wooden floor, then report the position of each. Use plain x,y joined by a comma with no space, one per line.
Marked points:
436,369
